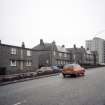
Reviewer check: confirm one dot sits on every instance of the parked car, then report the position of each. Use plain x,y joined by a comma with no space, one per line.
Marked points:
56,69
73,70
44,70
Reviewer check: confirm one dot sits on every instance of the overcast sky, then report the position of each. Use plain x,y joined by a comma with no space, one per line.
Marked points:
67,22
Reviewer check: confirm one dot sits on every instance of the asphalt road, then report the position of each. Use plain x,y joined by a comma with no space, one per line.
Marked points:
56,90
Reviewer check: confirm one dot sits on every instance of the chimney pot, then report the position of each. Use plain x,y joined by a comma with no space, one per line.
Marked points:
63,45
81,46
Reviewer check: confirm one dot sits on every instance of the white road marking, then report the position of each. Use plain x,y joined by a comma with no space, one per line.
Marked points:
19,103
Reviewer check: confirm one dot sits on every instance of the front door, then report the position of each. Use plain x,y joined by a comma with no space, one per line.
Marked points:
2,71
21,65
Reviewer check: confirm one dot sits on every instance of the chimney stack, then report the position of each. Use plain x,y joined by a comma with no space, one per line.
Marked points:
81,46
41,42
87,48
53,43
63,46
74,46
23,45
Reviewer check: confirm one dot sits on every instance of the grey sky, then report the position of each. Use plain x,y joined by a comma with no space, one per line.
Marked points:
65,21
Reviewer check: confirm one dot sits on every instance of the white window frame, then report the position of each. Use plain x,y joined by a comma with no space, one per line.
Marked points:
13,51
65,55
28,63
12,62
28,53
60,55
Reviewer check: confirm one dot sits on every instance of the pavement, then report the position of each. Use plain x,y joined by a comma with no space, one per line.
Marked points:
27,79
56,90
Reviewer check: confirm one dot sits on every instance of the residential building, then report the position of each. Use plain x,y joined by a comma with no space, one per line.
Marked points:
50,54
91,58
98,45
14,59
83,56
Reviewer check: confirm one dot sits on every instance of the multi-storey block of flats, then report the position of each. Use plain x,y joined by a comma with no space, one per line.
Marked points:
14,59
97,44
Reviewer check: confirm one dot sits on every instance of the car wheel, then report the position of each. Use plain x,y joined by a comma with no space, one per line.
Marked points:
83,74
73,75
64,75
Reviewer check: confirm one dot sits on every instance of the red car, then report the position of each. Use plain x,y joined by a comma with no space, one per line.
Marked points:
73,70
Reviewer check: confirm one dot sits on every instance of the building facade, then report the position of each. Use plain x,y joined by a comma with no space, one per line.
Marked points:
97,44
50,54
83,56
15,59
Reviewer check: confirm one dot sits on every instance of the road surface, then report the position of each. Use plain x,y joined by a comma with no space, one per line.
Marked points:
56,90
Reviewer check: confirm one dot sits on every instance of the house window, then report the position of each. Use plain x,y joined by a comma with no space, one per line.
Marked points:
28,53
13,51
54,53
61,62
65,55
47,61
28,63
60,54
12,62
58,62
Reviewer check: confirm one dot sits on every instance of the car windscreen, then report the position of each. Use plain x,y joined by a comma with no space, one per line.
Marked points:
76,66
68,66
45,68
72,66
54,67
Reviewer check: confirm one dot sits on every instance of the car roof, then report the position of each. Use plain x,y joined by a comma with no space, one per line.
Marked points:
71,65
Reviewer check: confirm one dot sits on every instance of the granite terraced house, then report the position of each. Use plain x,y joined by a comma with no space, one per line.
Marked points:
83,56
14,59
50,54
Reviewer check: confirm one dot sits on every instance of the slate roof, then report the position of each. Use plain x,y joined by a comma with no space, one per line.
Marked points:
48,46
45,46
61,49
77,50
